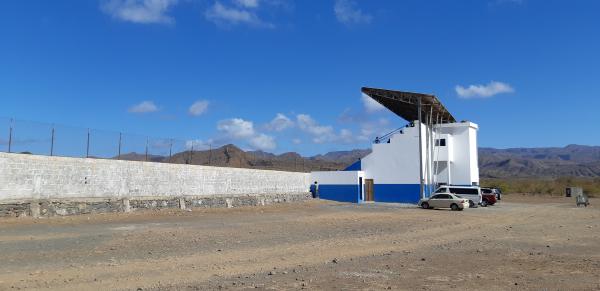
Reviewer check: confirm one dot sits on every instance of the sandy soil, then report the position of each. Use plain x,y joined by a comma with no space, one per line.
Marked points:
523,242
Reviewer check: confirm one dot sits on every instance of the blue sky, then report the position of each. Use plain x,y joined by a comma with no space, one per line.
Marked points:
285,75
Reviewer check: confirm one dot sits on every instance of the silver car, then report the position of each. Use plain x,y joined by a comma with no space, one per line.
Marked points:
444,200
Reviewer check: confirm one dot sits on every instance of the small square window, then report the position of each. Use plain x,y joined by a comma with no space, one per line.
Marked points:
440,142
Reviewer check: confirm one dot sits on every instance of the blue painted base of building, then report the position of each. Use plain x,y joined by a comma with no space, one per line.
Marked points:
391,193
397,193
342,193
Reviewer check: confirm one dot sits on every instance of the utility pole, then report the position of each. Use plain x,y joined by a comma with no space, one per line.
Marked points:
52,142
146,149
170,150
10,134
192,154
87,145
119,153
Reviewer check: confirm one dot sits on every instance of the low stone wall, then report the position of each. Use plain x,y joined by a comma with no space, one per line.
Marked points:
64,207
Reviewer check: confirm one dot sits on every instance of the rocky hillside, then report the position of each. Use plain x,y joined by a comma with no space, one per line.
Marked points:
572,160
232,156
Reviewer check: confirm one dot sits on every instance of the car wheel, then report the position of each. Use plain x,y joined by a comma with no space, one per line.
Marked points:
454,207
471,204
425,205
484,203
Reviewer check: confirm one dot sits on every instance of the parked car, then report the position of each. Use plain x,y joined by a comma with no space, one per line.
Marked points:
498,193
488,197
473,193
444,200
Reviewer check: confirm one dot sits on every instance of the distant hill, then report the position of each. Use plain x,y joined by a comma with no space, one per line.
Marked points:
232,156
572,160
345,157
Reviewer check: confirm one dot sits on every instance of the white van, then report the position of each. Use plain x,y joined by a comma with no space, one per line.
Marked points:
473,193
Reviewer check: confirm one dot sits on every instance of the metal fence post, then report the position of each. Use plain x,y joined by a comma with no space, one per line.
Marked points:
119,155
146,149
170,149
192,153
10,133
87,145
52,142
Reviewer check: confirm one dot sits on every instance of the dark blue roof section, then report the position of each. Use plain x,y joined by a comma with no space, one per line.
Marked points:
354,167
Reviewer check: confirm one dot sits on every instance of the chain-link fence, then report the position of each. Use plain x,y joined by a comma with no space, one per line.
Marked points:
30,137
49,139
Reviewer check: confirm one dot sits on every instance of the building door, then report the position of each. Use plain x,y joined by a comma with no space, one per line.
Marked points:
369,190
360,189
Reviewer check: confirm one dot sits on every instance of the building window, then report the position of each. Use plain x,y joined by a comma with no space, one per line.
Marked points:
440,142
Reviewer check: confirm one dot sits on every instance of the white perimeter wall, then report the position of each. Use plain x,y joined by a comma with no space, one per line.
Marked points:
336,177
25,177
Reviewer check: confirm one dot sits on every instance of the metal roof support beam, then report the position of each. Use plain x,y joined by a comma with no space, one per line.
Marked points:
405,104
421,196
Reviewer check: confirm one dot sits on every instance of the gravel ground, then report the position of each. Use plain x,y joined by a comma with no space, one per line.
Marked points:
523,242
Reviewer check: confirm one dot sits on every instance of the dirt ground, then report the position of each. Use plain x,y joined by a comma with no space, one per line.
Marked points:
521,243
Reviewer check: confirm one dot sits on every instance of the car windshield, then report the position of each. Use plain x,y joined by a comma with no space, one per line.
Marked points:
457,196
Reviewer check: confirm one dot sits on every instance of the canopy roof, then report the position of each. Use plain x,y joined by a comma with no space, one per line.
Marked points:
406,104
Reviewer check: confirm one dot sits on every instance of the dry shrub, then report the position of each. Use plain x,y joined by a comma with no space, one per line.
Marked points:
544,186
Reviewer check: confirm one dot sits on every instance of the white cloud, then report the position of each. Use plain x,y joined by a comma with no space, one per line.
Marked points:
143,107
346,136
263,142
239,129
140,11
483,91
370,104
228,16
236,128
279,123
346,12
369,130
198,108
296,141
323,133
247,3
320,133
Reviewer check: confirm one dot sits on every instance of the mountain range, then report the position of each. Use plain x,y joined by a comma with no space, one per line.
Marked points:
572,160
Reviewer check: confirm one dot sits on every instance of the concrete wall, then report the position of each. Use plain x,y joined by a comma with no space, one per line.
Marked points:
342,186
30,177
464,169
396,162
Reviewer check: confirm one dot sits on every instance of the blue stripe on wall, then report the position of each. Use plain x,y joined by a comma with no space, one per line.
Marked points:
342,193
354,167
392,193
397,193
